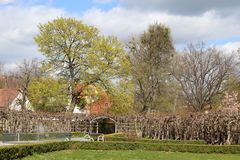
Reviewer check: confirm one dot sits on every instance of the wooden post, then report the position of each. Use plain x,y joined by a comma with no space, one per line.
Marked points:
90,129
97,128
116,130
18,136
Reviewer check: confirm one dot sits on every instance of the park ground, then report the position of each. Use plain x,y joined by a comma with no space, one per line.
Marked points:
128,155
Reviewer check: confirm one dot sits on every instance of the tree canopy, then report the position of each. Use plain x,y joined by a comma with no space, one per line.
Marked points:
151,56
48,94
79,54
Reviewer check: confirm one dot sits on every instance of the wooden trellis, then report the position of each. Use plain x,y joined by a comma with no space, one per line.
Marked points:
30,122
214,127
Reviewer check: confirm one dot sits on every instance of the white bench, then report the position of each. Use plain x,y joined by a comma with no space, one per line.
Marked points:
87,137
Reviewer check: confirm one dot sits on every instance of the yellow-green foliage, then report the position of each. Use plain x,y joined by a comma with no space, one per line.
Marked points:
48,94
122,97
78,53
69,44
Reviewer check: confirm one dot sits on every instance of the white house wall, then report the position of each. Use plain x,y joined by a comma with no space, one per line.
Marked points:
16,106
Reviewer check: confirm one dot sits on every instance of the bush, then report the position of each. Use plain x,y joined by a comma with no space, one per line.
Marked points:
115,137
19,151
123,137
171,141
157,147
77,134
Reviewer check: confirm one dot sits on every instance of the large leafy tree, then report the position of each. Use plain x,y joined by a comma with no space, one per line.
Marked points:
79,54
122,98
151,55
48,94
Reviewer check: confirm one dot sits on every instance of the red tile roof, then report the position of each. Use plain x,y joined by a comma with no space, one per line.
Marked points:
7,96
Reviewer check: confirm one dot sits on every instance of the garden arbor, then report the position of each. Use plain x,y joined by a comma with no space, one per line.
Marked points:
103,124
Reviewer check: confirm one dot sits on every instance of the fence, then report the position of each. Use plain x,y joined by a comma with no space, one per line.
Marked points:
27,137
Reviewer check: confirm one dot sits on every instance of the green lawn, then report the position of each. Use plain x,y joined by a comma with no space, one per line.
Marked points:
129,155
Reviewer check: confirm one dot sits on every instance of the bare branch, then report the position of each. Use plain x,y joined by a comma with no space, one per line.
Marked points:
201,72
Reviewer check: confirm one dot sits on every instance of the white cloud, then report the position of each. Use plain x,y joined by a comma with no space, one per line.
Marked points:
18,27
231,46
183,7
10,67
103,1
125,22
6,1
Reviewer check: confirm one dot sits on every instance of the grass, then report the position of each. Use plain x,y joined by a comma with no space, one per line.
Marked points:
128,155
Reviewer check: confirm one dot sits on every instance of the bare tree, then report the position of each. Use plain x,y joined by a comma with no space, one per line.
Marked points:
7,78
1,75
201,72
27,70
1,67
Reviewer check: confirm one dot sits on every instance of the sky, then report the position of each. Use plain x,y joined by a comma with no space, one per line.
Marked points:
214,21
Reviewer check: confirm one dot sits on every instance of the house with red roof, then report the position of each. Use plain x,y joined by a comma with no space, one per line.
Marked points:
10,98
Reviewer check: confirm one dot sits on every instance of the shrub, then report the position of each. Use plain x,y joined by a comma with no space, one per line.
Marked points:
171,141
115,137
19,151
77,134
158,147
123,137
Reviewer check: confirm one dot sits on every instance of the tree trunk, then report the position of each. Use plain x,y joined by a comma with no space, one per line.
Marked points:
146,109
72,103
72,90
23,100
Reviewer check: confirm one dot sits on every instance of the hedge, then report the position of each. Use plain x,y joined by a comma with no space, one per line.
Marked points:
77,134
122,137
19,151
172,141
158,147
